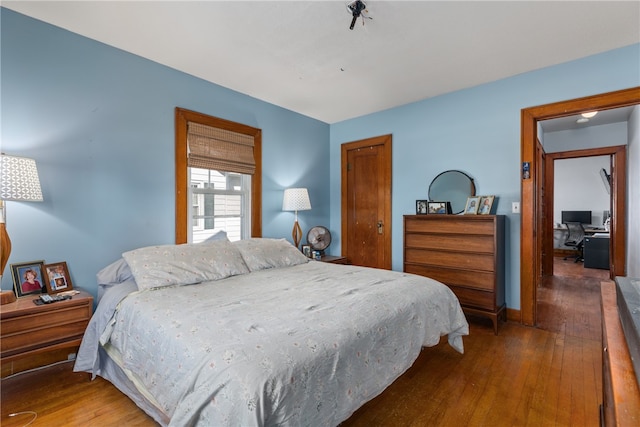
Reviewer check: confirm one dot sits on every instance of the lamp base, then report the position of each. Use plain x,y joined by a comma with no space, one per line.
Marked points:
7,297
5,247
296,234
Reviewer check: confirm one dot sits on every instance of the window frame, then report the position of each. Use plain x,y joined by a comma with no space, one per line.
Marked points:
182,118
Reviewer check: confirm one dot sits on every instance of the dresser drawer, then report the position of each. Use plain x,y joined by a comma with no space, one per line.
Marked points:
457,260
470,279
454,242
450,225
475,298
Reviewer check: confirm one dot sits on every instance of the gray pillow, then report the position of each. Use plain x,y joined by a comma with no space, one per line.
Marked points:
169,265
263,253
116,272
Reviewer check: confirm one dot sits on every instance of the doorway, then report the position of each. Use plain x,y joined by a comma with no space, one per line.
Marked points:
366,202
531,246
617,165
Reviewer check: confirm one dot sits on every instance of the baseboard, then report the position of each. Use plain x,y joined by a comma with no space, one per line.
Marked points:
513,315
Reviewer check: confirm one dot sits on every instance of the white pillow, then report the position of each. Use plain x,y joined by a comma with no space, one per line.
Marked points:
262,253
168,265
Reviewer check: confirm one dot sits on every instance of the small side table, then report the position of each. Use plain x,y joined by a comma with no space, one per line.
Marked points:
36,335
334,259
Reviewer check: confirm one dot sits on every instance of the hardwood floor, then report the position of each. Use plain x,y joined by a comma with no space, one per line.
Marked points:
546,376
569,301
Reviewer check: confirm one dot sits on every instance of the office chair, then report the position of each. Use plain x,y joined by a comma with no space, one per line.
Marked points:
575,239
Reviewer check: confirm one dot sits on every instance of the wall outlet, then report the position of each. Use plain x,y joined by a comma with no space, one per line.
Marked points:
515,207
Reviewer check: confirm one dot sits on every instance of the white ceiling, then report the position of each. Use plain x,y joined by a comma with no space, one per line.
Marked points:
301,55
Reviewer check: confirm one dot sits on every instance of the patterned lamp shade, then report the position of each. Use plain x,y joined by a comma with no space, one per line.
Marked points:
296,199
19,179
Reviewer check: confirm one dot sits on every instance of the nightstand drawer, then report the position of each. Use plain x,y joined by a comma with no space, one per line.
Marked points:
42,336
45,319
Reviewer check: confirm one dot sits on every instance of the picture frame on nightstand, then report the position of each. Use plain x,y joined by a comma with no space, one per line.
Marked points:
28,278
58,278
306,250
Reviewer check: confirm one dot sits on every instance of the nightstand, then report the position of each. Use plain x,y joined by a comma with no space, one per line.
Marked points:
36,335
334,259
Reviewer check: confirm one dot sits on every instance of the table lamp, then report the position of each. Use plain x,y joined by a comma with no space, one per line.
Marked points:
296,199
18,181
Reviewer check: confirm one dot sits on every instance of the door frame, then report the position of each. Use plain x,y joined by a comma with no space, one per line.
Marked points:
530,187
385,141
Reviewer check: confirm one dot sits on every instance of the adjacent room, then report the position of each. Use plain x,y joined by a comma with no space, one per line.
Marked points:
346,213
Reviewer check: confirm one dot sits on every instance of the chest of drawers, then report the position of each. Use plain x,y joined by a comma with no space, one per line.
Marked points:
465,252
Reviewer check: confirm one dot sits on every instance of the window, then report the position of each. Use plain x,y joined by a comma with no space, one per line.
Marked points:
219,201
218,178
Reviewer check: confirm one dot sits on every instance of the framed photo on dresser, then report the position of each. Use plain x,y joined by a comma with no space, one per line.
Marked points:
486,203
473,203
421,207
439,208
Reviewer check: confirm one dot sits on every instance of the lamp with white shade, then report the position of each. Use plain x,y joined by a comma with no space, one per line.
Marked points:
19,181
296,199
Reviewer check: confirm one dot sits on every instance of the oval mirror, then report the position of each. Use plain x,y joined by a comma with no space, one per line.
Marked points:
452,186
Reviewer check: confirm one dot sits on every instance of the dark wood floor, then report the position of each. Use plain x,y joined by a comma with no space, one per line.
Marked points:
545,376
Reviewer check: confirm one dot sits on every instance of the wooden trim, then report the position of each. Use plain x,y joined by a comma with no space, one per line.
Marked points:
181,177
528,249
256,188
618,225
620,387
545,213
182,117
514,315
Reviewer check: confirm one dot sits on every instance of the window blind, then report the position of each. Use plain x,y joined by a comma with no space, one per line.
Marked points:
219,149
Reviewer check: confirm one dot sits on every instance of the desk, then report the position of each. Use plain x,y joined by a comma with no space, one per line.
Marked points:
595,230
596,251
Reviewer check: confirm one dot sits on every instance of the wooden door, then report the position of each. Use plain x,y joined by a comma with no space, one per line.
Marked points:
366,202
544,234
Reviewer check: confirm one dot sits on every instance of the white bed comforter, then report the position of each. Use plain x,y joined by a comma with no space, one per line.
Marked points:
296,346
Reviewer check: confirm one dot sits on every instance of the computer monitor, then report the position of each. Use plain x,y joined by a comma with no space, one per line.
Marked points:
583,217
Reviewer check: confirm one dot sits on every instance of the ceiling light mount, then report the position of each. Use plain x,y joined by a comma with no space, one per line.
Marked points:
357,9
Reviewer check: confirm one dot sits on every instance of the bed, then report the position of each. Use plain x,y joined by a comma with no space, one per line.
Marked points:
253,333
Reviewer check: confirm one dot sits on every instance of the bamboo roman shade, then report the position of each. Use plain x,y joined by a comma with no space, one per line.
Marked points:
219,149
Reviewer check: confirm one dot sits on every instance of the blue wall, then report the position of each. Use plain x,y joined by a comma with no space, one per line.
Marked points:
100,124
476,130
